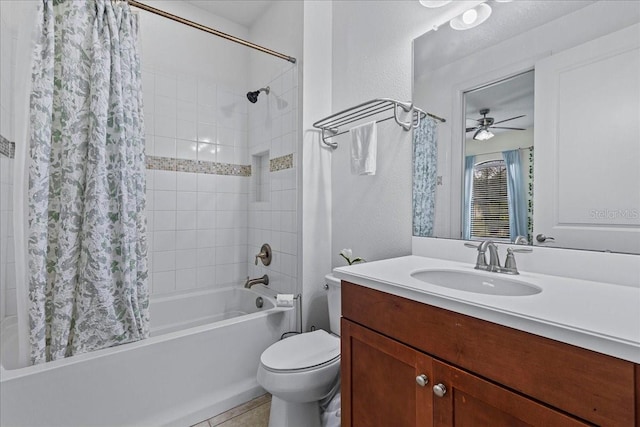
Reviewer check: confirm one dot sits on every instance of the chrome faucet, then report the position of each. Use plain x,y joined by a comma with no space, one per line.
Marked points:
481,261
494,259
264,280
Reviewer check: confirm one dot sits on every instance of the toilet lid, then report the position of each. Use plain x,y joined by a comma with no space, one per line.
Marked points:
302,351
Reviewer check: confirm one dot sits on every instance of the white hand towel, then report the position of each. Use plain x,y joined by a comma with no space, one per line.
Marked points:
364,149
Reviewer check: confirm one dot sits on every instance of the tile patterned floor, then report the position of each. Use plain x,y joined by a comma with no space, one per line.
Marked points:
254,413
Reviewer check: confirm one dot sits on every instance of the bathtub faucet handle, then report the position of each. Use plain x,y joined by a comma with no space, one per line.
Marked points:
264,255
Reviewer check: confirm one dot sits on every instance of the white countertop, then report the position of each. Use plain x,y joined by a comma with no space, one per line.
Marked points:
602,317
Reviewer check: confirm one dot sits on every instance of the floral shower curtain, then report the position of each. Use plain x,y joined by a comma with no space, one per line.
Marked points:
425,163
87,246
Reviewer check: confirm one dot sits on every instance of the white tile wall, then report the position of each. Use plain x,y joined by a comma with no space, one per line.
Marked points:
205,230
8,43
7,258
272,220
199,226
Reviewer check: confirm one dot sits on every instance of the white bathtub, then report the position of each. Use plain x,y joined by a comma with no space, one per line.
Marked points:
201,360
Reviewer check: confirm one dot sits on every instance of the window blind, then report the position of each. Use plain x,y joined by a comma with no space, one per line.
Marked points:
489,204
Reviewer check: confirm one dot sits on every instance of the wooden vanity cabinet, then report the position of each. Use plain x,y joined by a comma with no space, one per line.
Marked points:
491,375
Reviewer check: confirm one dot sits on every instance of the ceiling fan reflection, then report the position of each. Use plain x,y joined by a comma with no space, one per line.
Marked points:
484,124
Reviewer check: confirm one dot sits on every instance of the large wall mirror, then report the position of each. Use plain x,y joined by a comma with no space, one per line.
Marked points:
542,141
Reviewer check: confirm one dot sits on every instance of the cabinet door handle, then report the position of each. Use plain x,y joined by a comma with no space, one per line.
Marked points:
422,380
439,390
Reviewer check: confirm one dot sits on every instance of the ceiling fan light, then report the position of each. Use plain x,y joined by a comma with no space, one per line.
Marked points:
483,135
471,18
434,3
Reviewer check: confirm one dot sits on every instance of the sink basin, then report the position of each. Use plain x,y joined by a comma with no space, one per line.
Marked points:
468,281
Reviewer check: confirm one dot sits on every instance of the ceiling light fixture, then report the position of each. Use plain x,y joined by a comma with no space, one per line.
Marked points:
471,18
483,135
434,3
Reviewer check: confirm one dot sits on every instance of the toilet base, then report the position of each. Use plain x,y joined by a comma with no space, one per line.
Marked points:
288,414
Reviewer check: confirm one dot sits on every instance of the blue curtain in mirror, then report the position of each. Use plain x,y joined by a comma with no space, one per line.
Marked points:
425,159
516,194
469,163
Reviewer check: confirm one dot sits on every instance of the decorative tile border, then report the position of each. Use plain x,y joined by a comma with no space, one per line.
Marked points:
235,170
281,163
194,166
161,163
214,168
7,148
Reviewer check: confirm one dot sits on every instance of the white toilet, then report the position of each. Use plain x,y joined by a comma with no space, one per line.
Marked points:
304,369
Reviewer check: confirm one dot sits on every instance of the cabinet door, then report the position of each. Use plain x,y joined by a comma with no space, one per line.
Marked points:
472,401
379,386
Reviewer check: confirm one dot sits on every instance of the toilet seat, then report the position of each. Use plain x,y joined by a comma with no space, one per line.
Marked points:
307,351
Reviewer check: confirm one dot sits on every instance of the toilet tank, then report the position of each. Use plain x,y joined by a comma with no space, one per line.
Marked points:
334,300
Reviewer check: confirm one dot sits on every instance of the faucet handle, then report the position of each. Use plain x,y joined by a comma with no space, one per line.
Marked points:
264,255
510,266
481,261
520,250
520,240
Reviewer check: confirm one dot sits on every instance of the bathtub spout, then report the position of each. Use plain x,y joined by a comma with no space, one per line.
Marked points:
250,282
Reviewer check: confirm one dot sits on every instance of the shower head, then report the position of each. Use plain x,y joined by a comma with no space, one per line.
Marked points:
253,96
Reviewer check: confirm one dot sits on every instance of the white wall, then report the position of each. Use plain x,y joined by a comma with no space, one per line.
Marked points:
174,47
316,163
279,28
372,58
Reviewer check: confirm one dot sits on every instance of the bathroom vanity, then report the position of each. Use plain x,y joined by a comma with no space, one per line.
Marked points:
413,356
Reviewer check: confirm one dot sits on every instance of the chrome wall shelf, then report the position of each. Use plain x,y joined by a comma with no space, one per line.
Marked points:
405,114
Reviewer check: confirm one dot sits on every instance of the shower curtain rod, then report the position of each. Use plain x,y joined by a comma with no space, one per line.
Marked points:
210,30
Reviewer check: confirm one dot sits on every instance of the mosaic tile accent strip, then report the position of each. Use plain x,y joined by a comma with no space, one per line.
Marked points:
281,163
194,166
7,148
161,163
230,169
184,165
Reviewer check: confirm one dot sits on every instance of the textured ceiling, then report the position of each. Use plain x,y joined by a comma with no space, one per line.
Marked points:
446,45
505,99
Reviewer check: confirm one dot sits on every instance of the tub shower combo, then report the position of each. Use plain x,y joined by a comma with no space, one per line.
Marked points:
102,349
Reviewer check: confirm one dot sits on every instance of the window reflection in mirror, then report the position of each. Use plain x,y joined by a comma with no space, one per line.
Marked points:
498,160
